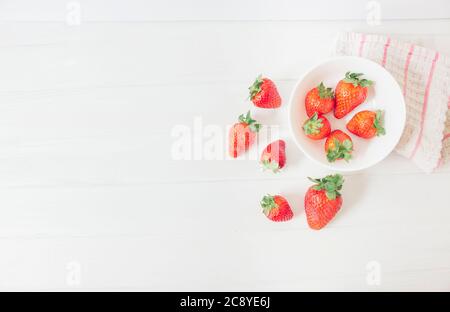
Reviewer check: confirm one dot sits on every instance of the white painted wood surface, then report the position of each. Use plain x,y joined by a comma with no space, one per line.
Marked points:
91,199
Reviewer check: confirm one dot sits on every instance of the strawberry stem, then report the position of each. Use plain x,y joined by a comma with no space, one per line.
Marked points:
325,93
331,184
313,124
255,88
340,151
268,203
378,123
354,78
252,124
271,165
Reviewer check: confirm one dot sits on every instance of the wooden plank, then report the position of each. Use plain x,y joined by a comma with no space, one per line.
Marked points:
87,176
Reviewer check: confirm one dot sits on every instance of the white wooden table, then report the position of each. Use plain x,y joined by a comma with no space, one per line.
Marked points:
91,198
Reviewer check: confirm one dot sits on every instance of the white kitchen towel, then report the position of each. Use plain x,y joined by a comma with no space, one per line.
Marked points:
424,77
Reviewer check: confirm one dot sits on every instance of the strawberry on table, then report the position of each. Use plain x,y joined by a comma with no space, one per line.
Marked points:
276,208
350,92
242,135
367,124
274,156
338,146
319,100
316,127
323,200
264,93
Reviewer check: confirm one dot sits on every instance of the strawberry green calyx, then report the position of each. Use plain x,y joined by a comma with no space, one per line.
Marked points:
378,123
354,78
268,203
255,88
331,184
313,124
325,93
252,124
271,165
340,151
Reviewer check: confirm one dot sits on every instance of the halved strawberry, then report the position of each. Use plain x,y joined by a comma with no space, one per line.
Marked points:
316,127
274,156
242,135
319,100
264,93
276,208
367,124
338,146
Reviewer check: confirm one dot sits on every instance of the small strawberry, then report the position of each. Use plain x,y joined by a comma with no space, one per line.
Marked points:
276,208
350,92
316,127
367,124
323,200
242,135
264,93
274,156
319,100
338,146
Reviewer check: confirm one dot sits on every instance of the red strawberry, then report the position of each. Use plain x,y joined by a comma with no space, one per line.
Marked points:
367,124
274,156
319,100
316,127
338,146
264,93
276,208
323,200
350,92
242,135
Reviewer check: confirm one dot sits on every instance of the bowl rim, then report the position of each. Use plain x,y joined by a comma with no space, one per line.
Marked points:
291,106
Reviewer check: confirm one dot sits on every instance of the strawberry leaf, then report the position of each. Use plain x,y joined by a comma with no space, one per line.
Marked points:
252,124
255,88
313,125
331,184
354,78
268,203
340,151
271,165
378,123
325,93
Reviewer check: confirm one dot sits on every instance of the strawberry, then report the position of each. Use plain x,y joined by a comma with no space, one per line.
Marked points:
319,100
242,135
338,146
323,200
350,92
276,208
274,156
367,124
316,127
264,93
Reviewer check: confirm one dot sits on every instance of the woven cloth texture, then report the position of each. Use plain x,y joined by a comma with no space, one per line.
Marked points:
424,78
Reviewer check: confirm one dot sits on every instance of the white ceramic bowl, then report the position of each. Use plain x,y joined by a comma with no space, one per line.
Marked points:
384,94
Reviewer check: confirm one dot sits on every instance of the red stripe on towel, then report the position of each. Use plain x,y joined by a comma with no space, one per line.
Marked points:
361,44
386,47
446,137
441,159
405,74
425,104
